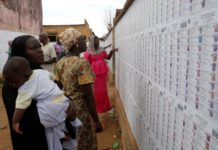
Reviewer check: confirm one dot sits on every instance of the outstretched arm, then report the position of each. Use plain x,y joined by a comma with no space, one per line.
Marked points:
111,53
107,46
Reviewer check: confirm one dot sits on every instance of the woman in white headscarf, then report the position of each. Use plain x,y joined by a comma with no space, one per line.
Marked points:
96,57
77,78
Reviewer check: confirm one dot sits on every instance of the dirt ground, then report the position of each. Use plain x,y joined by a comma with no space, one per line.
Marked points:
109,139
112,132
5,141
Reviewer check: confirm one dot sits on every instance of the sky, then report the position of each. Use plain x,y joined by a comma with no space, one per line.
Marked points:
75,11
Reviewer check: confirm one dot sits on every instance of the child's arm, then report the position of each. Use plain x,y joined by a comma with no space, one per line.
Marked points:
23,101
18,114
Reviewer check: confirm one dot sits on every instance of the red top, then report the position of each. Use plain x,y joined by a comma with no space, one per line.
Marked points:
97,62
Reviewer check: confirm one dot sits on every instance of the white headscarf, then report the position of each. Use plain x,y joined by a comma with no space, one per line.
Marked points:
91,46
69,38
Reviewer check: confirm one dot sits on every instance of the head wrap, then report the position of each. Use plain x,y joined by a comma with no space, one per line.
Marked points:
91,46
18,48
69,38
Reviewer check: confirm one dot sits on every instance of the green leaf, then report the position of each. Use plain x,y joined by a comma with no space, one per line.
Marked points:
116,145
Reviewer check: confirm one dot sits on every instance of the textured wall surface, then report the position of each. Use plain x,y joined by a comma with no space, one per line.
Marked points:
4,38
17,18
106,43
166,73
21,16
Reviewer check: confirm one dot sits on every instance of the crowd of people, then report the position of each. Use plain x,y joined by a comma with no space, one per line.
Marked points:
48,91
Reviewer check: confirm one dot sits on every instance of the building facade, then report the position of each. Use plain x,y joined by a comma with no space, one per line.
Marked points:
54,30
18,18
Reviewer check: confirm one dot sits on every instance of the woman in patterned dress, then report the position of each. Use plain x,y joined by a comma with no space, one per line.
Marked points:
77,78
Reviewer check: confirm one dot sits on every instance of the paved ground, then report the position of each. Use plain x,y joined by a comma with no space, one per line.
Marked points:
111,134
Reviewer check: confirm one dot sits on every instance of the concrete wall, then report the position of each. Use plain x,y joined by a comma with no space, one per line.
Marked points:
21,16
5,37
108,41
18,18
166,64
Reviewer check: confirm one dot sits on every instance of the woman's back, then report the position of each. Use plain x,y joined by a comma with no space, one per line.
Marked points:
72,72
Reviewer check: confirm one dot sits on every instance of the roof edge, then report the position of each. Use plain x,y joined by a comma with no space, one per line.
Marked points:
122,13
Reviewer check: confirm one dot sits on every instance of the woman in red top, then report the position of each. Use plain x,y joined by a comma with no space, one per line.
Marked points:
96,57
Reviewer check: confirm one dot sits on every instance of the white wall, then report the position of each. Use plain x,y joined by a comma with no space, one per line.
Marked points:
164,73
106,43
5,36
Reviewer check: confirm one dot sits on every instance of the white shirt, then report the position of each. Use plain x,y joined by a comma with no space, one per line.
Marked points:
51,101
49,53
51,105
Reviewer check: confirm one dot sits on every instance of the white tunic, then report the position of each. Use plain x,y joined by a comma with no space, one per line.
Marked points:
51,105
49,53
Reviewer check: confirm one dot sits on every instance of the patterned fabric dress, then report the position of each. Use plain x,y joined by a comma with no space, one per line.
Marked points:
74,71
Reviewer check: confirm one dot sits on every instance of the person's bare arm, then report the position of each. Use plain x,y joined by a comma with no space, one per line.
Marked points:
51,61
107,46
18,114
90,100
111,53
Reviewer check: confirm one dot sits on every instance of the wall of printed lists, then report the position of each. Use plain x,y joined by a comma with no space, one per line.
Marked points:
167,73
107,42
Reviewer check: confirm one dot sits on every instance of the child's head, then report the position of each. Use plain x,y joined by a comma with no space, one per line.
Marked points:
17,71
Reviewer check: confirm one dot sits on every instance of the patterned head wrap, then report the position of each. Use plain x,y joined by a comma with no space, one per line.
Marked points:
69,38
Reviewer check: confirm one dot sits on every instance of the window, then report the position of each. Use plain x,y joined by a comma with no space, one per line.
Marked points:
52,38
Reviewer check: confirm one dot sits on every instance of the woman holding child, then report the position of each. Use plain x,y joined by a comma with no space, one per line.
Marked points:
33,136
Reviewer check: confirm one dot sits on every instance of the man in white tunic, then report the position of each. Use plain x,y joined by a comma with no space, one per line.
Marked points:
49,52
